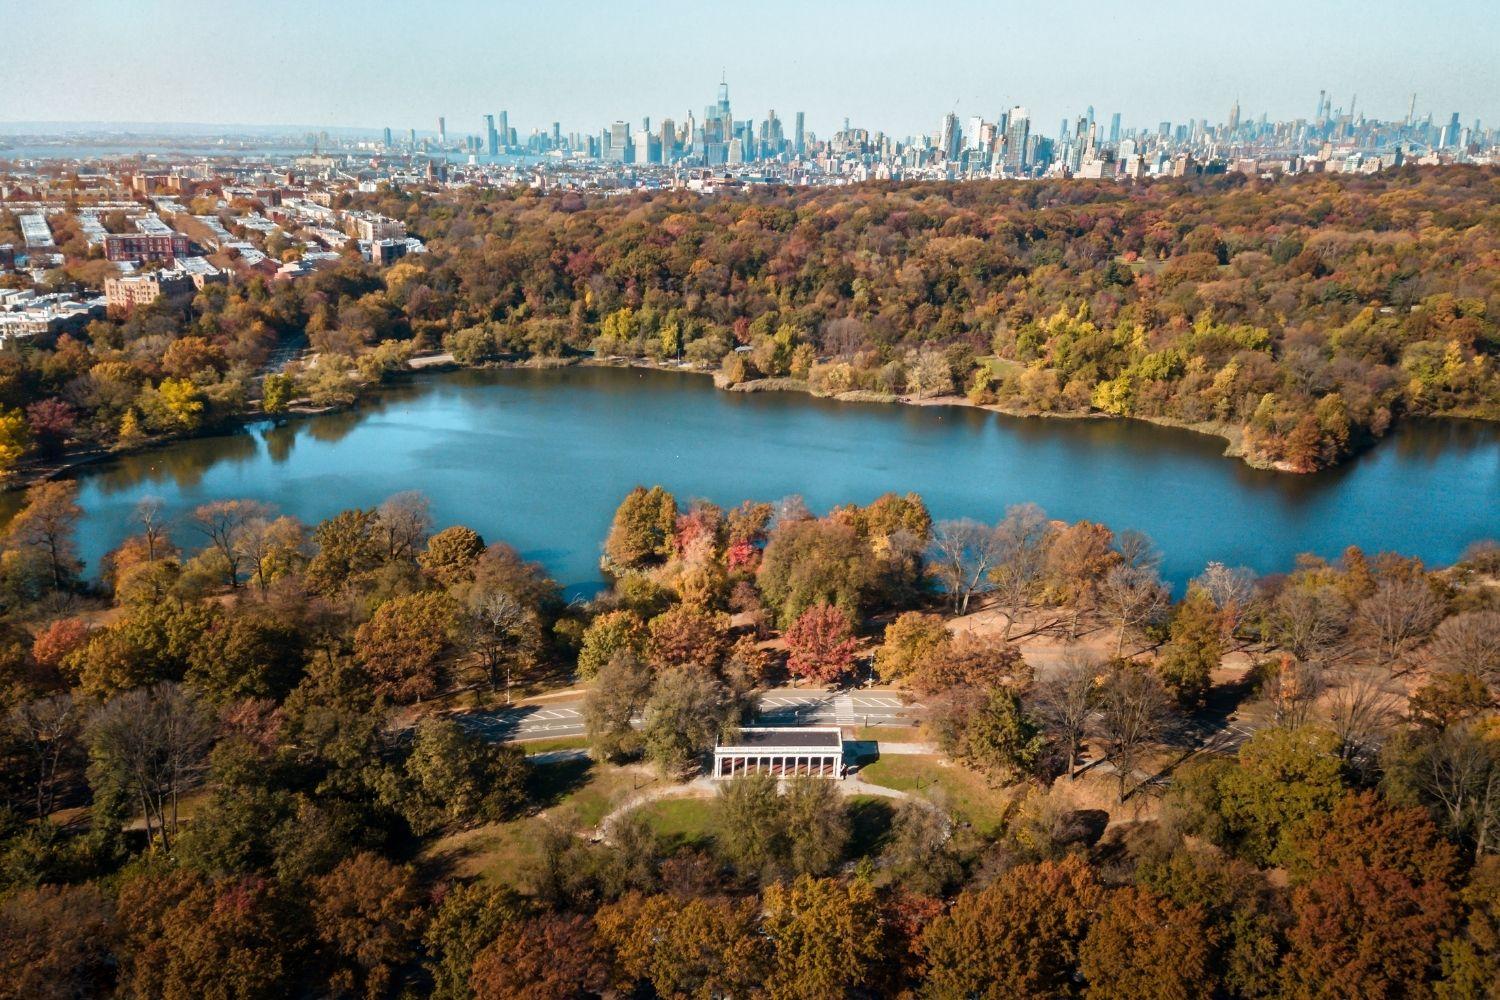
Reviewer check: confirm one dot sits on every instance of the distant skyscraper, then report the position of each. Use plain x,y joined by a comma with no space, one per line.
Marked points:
951,137
1234,118
1017,135
799,137
491,137
387,138
619,142
557,135
1114,128
442,131
504,128
411,139
668,139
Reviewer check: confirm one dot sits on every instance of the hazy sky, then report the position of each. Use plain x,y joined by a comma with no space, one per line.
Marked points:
892,65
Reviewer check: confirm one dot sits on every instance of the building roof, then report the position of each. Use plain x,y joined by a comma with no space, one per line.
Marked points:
810,738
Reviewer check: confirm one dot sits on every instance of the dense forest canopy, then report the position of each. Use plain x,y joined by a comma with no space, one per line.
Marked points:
271,764
1298,317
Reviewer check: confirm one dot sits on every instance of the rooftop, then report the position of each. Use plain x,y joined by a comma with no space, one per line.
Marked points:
811,738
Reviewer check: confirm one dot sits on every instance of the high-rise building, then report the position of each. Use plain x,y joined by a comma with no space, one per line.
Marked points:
504,129
619,142
557,135
387,137
668,139
442,131
950,137
491,137
1017,135
1234,118
1114,128
799,137
411,139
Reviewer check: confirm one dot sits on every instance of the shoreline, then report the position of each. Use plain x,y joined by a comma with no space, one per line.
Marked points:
442,362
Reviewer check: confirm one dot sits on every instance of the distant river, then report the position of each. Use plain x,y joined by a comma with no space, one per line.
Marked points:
541,458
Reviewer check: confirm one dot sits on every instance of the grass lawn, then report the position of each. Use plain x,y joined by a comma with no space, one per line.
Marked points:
681,821
575,794
1000,366
964,793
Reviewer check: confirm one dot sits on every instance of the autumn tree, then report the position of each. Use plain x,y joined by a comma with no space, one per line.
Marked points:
1078,557
1143,947
810,562
466,919
643,529
821,644
1018,936
450,555
221,522
826,937
405,644
544,957
1373,898
56,942
151,744
1021,560
456,777
607,635
909,640
368,916
684,635
1130,596
694,947
688,710
46,526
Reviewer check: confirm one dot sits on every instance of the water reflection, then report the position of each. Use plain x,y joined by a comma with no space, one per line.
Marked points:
540,458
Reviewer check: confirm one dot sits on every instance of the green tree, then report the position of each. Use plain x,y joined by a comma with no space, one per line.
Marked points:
457,777
1283,778
1194,649
467,918
687,712
619,695
607,635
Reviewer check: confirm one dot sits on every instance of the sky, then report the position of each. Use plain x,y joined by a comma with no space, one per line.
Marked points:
897,66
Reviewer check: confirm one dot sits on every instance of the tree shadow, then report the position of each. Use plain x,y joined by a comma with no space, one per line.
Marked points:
869,826
548,784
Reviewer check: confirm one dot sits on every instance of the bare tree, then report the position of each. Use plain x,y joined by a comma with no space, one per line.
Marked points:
222,522
1137,550
154,743
1130,595
928,374
1231,590
48,728
1134,713
962,553
403,524
1291,686
1361,711
502,631
1021,561
149,514
1309,621
1469,643
270,547
1066,701
1460,773
1391,622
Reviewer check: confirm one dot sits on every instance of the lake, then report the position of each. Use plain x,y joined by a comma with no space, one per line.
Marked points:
540,459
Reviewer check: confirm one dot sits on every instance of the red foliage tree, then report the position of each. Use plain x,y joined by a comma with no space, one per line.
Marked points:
821,644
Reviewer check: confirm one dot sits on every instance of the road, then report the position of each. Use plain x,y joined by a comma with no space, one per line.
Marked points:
545,719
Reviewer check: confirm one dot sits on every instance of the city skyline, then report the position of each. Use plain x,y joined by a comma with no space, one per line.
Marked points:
892,70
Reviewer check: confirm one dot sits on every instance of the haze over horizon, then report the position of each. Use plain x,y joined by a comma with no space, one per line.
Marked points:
893,67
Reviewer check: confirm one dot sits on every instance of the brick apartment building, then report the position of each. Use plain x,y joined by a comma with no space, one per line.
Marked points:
164,247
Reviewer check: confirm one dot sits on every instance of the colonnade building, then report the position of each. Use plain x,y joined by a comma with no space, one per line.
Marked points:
817,751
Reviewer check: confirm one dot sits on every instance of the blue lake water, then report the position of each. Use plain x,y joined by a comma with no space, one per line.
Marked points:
541,458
